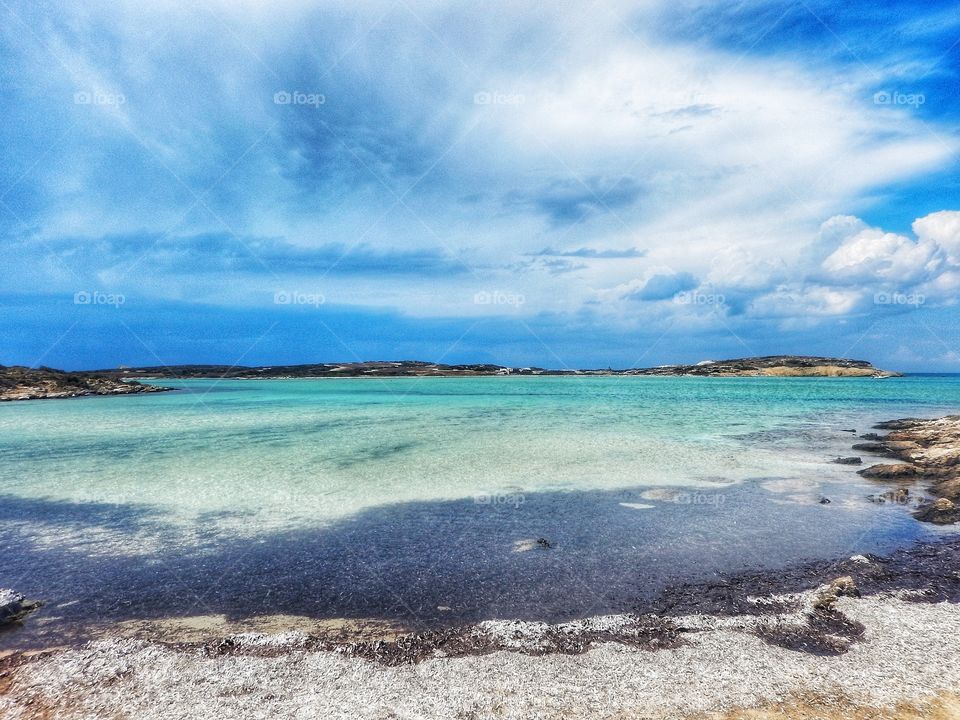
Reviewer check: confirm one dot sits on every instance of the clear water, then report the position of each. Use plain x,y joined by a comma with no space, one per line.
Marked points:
391,498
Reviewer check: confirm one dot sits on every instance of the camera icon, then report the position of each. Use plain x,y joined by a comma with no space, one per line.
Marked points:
82,298
482,98
82,97
482,298
882,298
882,98
281,298
282,98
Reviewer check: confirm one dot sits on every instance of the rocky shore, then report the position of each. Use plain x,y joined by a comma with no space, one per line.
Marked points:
928,455
22,383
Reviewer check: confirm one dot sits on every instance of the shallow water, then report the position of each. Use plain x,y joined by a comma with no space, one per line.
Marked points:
391,498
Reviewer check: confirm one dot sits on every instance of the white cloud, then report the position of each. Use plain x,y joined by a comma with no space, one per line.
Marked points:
942,228
737,157
872,255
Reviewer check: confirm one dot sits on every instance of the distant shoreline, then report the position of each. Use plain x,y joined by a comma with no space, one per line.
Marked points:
771,365
22,383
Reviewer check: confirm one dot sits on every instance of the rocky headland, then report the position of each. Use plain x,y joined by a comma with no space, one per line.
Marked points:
22,383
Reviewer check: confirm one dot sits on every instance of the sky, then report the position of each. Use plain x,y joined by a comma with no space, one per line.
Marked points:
563,184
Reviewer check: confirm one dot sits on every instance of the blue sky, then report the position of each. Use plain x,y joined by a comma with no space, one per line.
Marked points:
569,185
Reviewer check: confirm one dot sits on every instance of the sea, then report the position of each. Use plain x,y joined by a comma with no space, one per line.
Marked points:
430,502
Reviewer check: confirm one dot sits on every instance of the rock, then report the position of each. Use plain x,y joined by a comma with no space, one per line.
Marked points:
854,460
940,512
860,559
945,459
827,595
900,496
875,448
929,451
949,488
824,600
544,543
903,424
845,586
893,471
14,607
824,500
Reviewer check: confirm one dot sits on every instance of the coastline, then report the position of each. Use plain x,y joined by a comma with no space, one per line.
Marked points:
749,644
19,383
868,636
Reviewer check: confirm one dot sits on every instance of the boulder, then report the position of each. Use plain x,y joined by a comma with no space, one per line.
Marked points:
14,607
845,586
949,488
848,460
893,471
827,595
903,424
875,448
940,512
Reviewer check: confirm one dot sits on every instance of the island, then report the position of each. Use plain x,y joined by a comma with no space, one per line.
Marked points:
771,365
22,383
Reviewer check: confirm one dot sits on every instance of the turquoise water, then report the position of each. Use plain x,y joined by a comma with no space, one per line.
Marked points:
390,498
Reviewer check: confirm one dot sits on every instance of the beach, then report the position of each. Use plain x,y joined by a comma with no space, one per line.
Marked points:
786,576
889,653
